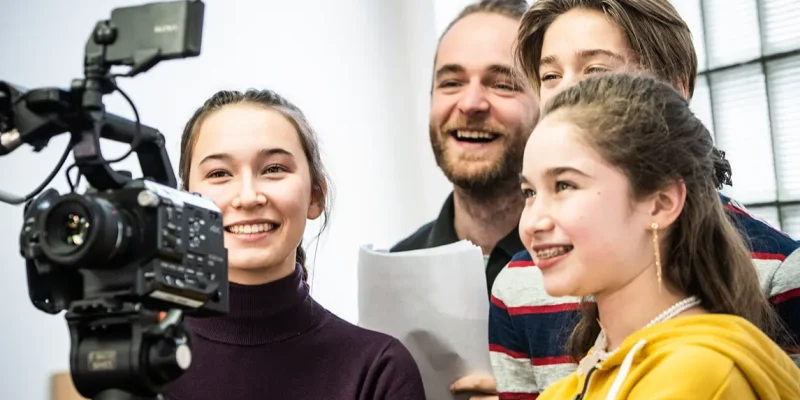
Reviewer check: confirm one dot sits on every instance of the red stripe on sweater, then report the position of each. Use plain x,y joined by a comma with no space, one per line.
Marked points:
785,296
498,303
555,360
521,264
513,354
768,256
547,309
730,207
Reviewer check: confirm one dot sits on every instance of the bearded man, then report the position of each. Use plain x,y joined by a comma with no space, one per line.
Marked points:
481,117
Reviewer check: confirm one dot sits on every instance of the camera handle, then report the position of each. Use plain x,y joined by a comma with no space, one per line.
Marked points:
125,352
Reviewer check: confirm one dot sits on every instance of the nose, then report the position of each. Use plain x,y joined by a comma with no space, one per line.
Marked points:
473,101
535,222
249,195
569,80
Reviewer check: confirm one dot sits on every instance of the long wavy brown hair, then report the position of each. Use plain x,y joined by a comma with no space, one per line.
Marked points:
645,128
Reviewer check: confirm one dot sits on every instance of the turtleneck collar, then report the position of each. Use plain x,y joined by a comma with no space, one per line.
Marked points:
260,314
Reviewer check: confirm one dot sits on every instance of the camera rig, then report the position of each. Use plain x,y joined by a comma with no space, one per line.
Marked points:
130,257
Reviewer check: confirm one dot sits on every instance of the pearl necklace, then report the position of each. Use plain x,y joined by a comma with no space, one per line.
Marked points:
668,314
676,309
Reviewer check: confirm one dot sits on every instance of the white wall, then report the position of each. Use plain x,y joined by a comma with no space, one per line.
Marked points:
360,69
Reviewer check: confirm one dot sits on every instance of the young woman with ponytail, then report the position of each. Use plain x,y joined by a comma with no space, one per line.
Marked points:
255,155
620,180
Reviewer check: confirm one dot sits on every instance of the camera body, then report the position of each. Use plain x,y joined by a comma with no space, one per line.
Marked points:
144,243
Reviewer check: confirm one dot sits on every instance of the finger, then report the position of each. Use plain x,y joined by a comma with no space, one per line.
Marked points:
484,397
478,383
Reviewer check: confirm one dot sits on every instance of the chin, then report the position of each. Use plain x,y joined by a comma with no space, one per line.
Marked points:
560,286
251,261
471,171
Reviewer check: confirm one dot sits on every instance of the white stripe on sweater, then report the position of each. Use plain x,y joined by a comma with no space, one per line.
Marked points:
786,274
518,373
524,286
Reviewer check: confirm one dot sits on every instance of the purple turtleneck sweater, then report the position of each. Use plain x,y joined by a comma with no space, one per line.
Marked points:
278,343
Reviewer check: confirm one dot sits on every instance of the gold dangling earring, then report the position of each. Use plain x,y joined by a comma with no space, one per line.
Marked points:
654,226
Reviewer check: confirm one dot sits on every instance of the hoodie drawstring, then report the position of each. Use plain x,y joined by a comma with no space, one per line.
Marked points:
624,369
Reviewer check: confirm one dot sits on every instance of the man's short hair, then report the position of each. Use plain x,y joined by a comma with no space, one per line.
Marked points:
514,9
658,37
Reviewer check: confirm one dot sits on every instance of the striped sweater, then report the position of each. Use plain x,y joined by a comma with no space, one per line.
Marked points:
528,329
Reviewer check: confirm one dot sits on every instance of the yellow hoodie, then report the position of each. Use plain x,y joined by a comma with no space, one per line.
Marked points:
698,357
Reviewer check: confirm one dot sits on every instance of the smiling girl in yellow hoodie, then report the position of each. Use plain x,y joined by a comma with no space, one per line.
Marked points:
621,182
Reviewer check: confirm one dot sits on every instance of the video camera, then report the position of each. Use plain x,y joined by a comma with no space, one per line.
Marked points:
129,257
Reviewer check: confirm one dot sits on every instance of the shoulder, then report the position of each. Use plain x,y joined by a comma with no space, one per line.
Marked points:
517,281
416,240
379,346
350,334
680,354
775,254
713,375
391,371
765,241
785,282
520,284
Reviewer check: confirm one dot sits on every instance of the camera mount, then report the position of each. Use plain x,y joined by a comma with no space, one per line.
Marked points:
130,259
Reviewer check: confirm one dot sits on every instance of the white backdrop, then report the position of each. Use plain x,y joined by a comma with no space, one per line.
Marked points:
360,69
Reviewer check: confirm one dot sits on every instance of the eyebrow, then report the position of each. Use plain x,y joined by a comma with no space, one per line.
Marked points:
494,69
583,54
263,153
449,69
554,172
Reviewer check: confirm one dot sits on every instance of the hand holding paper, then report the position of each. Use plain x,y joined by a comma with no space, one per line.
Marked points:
434,301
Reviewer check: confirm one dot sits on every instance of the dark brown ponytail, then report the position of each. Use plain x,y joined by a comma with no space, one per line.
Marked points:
301,259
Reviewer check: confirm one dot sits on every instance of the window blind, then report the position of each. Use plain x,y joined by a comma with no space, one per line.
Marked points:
691,13
731,31
701,103
768,214
780,25
739,100
783,82
791,221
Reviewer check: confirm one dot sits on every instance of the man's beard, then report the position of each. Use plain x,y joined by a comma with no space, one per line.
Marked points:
489,181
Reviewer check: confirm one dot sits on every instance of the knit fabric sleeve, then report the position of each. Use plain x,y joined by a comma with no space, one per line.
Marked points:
508,344
394,376
776,257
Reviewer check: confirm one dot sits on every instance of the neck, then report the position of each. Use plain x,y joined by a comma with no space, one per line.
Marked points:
266,313
260,276
629,309
485,219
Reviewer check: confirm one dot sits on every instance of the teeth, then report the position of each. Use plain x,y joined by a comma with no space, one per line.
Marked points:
552,252
474,135
248,229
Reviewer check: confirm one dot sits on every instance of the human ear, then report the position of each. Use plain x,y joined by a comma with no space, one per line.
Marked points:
667,203
318,195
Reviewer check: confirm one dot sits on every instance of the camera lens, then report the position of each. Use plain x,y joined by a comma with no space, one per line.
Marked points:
82,230
76,229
